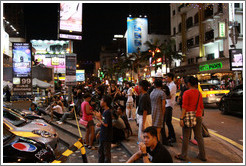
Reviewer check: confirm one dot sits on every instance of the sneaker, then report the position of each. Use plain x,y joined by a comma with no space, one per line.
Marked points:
193,141
60,123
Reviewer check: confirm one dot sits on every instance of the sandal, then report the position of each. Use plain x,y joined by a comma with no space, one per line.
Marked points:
179,157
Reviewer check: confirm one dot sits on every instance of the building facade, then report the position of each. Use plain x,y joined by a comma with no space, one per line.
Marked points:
205,34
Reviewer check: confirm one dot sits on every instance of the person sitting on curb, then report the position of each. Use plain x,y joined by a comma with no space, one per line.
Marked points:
67,114
151,150
35,109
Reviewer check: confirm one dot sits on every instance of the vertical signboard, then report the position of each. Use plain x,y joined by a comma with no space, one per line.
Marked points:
22,65
71,17
137,34
236,59
222,30
71,60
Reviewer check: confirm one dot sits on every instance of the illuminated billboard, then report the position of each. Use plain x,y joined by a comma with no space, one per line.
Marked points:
50,46
22,65
67,36
71,60
71,16
52,60
236,59
137,34
80,75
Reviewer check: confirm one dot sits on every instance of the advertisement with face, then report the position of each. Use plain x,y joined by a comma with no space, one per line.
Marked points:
71,16
137,34
22,76
50,46
80,75
236,59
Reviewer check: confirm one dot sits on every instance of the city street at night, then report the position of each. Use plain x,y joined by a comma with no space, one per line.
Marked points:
122,82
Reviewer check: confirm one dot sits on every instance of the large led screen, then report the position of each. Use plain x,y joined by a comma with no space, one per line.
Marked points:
137,34
80,75
71,16
21,60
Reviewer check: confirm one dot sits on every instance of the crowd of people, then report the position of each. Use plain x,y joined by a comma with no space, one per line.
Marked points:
112,107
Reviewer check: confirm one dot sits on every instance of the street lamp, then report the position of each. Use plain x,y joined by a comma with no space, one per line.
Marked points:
77,65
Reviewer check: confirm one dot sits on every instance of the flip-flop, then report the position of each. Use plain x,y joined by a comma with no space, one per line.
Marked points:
179,157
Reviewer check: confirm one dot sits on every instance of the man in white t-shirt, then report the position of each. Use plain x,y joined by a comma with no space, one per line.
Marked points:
169,107
56,110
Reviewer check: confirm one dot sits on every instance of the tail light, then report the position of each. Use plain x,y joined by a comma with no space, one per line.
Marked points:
210,95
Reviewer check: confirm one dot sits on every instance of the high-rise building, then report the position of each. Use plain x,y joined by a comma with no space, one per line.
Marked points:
205,34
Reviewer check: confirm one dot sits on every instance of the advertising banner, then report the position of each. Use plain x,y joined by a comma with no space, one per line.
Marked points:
22,65
50,46
57,61
71,16
236,59
80,75
71,60
137,34
5,43
72,37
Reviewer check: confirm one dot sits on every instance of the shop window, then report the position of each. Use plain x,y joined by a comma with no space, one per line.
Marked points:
210,56
189,22
209,35
197,40
221,54
179,27
237,5
196,18
174,31
220,8
173,12
238,27
180,46
191,61
208,12
190,43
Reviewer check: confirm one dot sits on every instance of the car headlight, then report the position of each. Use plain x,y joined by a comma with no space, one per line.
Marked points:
43,133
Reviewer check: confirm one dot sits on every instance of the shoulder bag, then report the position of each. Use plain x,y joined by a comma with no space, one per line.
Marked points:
190,117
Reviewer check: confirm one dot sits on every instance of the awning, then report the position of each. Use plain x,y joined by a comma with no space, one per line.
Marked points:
41,84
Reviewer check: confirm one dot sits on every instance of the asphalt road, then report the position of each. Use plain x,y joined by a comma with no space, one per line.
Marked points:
230,126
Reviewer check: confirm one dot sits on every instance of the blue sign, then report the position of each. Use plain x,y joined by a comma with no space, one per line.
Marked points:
137,34
80,75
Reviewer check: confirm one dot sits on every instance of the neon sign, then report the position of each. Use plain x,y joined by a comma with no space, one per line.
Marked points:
212,66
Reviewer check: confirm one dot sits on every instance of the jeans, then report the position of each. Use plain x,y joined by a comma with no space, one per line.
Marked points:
104,152
198,134
168,121
65,116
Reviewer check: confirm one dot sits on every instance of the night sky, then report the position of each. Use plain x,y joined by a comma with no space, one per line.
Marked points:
100,22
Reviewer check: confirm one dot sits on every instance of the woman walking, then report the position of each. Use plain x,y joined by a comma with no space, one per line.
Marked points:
192,101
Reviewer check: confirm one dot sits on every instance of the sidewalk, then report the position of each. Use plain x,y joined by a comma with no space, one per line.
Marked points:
217,150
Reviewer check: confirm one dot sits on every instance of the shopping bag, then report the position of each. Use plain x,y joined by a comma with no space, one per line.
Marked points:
83,122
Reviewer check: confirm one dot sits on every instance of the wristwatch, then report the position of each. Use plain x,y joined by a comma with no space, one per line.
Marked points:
144,154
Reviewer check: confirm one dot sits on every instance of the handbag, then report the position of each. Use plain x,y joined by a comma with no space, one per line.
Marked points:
83,122
190,117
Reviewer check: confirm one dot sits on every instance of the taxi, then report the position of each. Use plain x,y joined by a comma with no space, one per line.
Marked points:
211,93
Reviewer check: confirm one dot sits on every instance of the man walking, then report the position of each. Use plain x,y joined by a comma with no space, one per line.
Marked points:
169,107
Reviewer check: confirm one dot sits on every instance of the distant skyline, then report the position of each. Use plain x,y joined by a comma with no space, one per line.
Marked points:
100,22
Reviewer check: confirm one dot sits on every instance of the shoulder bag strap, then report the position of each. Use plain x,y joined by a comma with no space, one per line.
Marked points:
197,101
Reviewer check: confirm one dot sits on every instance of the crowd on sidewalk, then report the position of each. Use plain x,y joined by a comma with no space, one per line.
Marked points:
114,106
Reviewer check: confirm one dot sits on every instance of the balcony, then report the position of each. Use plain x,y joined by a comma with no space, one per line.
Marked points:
208,15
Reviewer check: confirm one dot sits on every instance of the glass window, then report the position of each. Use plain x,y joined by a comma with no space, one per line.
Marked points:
14,118
173,12
209,87
237,5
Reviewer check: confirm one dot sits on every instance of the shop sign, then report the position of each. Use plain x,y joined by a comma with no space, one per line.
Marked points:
222,29
212,66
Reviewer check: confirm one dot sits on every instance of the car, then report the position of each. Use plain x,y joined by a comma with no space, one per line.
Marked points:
17,149
211,93
36,129
30,115
233,101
